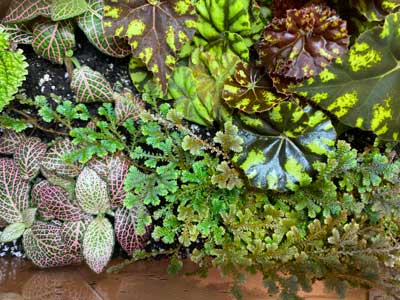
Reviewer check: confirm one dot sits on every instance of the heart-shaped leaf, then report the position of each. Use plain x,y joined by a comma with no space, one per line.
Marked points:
28,157
91,192
25,10
10,141
280,146
91,86
128,106
98,244
362,88
12,232
72,233
52,40
62,10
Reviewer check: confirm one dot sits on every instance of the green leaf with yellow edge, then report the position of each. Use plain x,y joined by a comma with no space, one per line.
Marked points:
156,30
280,146
362,88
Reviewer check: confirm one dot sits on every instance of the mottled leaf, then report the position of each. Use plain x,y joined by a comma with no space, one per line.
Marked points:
280,146
12,232
98,244
362,88
10,140
304,42
156,30
25,10
52,40
62,10
91,86
28,157
72,233
91,23
128,106
19,33
376,10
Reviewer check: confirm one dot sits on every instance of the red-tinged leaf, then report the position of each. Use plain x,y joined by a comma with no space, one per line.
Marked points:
52,40
28,156
91,86
279,7
100,166
44,246
128,106
72,233
91,23
14,192
24,10
66,183
36,200
126,231
3,223
10,140
54,161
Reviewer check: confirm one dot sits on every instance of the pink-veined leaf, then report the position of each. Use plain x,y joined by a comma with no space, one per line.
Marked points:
91,86
28,156
10,140
128,106
98,244
36,200
52,40
91,23
25,10
72,233
14,192
29,216
62,10
67,183
19,33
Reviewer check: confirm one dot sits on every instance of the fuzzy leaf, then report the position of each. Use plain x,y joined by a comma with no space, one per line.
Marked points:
28,157
14,192
29,216
304,42
229,139
156,30
52,40
227,178
128,106
362,88
25,10
376,10
19,33
10,141
98,244
90,86
12,232
72,233
280,146
62,10
91,192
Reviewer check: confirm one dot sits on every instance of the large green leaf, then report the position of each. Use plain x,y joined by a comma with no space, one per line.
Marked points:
25,10
62,10
280,146
156,30
362,88
98,244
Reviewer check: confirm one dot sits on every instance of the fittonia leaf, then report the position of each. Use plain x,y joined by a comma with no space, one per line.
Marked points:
280,146
25,10
91,86
128,106
98,244
156,30
376,10
52,40
72,233
36,200
19,33
12,232
362,88
91,23
10,141
67,183
62,10
28,156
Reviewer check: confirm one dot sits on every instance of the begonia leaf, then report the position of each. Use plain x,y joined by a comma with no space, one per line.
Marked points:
376,10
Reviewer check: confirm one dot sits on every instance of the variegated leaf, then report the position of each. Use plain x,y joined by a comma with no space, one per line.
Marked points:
36,199
52,40
91,192
19,33
14,192
91,86
91,23
98,244
128,106
100,166
24,10
54,161
10,140
28,156
66,183
12,232
72,233
44,246
62,10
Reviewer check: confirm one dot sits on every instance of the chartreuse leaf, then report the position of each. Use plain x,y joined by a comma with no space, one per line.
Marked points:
376,10
362,88
280,146
156,30
62,10
25,10
12,232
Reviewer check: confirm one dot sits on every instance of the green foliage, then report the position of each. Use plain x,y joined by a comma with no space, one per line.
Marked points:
376,10
62,10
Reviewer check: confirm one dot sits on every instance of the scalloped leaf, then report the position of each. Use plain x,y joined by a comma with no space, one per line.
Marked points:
19,33
128,106
72,233
14,192
362,88
376,10
10,140
44,246
62,10
280,146
229,139
227,177
98,244
91,23
91,86
25,10
28,157
52,40
156,30
36,200
54,160
303,43
91,192
12,232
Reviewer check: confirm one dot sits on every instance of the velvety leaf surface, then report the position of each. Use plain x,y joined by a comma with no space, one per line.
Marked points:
91,192
72,233
10,140
280,146
12,232
362,88
128,106
91,23
14,192
53,39
375,10
36,200
250,90
98,244
91,86
24,10
28,157
156,30
62,10
18,33
304,42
